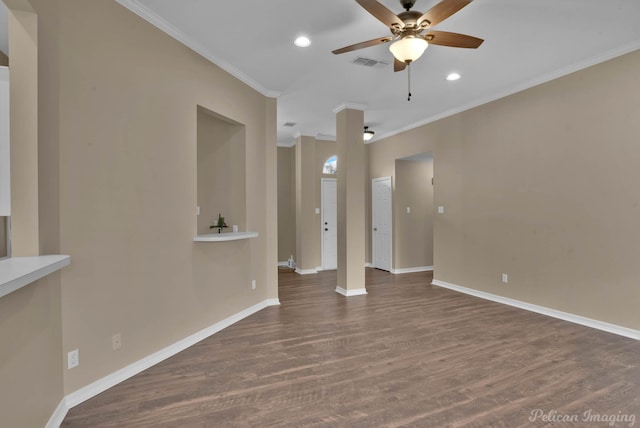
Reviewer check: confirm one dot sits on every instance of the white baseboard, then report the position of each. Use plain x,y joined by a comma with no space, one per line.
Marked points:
412,270
125,373
58,415
368,265
351,292
285,264
306,271
576,319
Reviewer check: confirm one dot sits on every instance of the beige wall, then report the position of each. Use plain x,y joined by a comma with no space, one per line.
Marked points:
541,185
286,203
31,354
310,156
307,222
221,172
23,110
383,156
413,231
118,153
31,365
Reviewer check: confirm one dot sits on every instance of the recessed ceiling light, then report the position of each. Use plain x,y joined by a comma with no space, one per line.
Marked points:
453,76
302,42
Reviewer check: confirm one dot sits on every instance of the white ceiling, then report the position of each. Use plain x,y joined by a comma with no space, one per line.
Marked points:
526,42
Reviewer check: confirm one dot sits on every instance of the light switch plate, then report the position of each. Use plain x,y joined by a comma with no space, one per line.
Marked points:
441,210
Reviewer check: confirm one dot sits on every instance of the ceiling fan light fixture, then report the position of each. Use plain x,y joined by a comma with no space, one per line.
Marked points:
409,48
302,42
368,134
453,76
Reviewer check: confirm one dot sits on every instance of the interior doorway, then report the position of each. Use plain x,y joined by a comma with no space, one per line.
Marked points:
381,219
329,224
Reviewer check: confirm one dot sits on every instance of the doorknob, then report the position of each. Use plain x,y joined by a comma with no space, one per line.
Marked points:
325,223
326,230
375,229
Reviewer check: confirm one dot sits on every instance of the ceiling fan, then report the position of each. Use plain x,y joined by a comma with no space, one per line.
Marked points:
408,30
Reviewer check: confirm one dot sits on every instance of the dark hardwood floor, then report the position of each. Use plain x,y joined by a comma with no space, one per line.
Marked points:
407,354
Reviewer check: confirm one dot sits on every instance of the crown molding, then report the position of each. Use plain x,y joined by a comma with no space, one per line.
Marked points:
154,19
325,137
287,145
556,74
353,106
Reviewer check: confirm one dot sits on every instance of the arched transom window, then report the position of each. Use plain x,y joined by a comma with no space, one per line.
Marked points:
330,166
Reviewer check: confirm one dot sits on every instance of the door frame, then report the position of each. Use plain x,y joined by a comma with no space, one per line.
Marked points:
373,221
322,205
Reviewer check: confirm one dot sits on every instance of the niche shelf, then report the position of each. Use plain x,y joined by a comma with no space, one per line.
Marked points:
227,236
221,171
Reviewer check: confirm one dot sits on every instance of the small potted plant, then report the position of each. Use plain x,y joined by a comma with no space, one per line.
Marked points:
220,224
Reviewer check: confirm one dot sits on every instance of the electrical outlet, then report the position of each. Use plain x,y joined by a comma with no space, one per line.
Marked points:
73,359
253,284
408,210
116,341
441,210
505,278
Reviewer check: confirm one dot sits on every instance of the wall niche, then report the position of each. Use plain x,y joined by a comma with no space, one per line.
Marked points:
221,171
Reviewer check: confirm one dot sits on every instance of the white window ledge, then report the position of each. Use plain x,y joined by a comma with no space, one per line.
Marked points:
228,236
16,272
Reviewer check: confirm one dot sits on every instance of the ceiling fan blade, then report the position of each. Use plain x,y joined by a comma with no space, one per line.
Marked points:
442,11
381,12
398,65
378,41
454,40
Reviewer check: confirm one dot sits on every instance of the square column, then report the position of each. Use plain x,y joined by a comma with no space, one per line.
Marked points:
351,201
307,229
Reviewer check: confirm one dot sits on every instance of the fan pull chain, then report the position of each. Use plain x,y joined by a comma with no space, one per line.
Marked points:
409,81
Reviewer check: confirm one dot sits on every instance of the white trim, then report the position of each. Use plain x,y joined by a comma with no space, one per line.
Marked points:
306,271
58,415
17,272
127,372
353,106
576,319
320,268
368,265
154,19
225,236
351,292
286,145
283,264
411,270
572,68
325,137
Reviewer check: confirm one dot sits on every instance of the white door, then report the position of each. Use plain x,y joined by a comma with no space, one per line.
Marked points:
381,222
329,224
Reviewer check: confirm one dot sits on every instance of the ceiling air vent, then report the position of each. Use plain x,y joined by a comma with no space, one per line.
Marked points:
289,124
368,62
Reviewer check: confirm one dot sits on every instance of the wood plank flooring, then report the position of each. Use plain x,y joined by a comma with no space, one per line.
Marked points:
406,355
